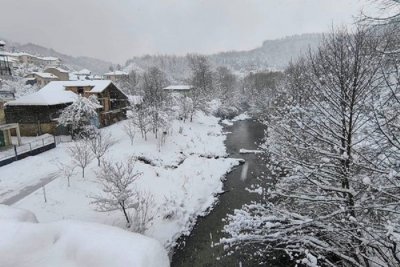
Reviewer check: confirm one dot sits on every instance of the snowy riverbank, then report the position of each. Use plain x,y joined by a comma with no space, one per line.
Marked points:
184,179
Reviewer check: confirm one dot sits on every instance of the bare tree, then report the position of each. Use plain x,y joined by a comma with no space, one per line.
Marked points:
117,180
129,128
142,216
81,154
100,143
66,170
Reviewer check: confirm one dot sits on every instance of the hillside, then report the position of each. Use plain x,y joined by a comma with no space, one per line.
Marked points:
81,62
273,54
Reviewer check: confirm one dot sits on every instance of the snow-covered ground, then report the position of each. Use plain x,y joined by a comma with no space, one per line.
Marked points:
24,242
241,117
183,180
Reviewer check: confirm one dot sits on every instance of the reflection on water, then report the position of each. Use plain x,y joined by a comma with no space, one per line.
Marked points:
200,248
245,168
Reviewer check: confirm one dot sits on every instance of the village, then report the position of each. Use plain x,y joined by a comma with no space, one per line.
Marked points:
48,168
200,133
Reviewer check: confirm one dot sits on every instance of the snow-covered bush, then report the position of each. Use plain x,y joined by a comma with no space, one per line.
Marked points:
142,214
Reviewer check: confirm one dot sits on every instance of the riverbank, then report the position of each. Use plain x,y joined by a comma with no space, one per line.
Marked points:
183,179
201,247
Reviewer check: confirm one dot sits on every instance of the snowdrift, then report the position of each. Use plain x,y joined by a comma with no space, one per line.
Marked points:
73,244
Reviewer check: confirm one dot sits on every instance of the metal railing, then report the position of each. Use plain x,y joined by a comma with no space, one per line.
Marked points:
31,148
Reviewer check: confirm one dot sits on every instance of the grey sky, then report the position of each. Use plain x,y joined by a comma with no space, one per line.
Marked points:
117,30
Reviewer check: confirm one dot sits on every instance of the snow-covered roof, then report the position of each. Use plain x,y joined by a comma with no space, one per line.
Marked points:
59,69
179,87
44,75
2,43
49,58
54,93
83,72
116,73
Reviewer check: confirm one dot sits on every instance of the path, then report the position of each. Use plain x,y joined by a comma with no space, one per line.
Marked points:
29,189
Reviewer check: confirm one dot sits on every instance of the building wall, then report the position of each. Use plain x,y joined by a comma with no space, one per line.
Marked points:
34,120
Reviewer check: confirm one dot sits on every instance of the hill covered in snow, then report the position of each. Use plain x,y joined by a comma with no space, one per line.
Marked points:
74,62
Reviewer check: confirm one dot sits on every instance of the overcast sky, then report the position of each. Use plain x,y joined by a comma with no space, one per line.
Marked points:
117,30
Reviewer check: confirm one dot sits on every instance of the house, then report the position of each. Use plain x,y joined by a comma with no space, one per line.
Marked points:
63,75
42,78
181,89
36,60
83,74
116,76
5,96
38,113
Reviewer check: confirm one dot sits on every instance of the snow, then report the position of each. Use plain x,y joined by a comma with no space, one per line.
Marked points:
135,99
179,87
44,75
184,182
116,73
241,117
227,122
55,93
58,69
17,215
26,243
247,151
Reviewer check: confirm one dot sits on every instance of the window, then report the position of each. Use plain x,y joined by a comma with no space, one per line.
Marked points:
80,90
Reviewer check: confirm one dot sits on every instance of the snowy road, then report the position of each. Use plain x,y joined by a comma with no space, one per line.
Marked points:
28,190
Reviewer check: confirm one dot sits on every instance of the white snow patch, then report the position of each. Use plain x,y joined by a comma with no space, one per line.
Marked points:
180,193
76,244
247,151
241,117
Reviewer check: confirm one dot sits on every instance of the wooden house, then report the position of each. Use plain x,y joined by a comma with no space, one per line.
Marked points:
37,113
42,78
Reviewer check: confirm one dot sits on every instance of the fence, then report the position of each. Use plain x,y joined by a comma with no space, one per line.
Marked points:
32,148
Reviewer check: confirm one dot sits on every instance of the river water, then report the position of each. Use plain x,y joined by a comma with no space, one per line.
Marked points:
199,248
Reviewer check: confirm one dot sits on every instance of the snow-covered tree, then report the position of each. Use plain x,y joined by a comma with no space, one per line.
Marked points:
81,154
140,118
99,143
332,203
79,114
18,86
66,171
202,80
130,129
118,189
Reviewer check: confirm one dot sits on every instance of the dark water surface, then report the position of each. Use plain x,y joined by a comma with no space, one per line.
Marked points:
199,248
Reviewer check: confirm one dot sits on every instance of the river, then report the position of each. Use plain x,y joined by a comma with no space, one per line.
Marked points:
199,249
